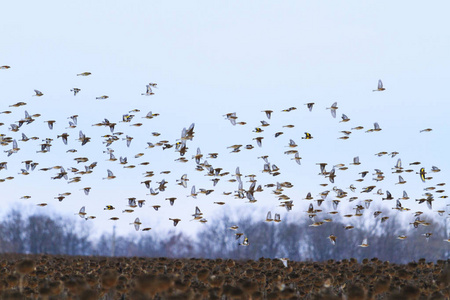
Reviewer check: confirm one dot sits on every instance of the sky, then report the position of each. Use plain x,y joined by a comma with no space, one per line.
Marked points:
210,59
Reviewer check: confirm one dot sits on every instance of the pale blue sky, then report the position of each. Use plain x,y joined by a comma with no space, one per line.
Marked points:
212,58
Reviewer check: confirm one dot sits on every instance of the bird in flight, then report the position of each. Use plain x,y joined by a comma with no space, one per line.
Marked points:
380,87
333,109
310,105
38,93
149,90
75,91
364,243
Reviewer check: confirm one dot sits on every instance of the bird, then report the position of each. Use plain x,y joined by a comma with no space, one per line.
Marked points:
401,180
333,109
50,123
344,118
268,113
110,175
376,127
75,91
198,214
297,158
289,109
307,136
356,161
380,87
435,169
149,91
86,190
277,218
83,138
231,117
137,223
171,200
245,242
332,239
259,141
175,221
84,74
422,174
82,212
388,196
38,93
63,136
364,243
309,105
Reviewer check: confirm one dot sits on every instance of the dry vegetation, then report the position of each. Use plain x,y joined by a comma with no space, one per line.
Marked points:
79,277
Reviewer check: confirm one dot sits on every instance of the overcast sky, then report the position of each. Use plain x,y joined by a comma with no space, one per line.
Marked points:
209,59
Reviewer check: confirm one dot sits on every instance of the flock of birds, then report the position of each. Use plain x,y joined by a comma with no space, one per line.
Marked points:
74,174
94,277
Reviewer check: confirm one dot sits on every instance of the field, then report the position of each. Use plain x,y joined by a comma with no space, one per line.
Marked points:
81,277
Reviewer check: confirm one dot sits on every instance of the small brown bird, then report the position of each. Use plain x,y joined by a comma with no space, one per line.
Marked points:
332,239
333,109
75,91
175,221
380,87
38,93
310,105
364,243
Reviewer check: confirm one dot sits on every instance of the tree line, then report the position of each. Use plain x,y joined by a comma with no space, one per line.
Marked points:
292,238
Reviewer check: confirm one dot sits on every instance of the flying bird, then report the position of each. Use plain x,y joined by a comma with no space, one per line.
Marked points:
380,87
333,109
